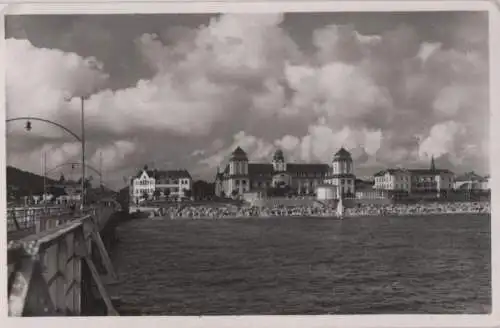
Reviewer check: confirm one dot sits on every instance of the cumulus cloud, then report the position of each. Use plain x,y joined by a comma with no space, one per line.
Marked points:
113,155
442,139
245,80
39,80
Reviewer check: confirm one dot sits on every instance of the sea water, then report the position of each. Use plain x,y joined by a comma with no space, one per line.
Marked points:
377,265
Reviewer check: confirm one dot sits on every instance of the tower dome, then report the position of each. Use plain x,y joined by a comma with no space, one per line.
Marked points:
239,155
342,154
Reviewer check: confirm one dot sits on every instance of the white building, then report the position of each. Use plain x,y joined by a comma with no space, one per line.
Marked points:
393,179
143,185
412,181
152,184
173,184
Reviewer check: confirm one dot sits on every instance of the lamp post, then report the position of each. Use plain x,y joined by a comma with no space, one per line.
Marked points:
44,179
82,99
80,138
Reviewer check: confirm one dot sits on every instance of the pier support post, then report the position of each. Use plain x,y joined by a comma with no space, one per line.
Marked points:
83,253
29,295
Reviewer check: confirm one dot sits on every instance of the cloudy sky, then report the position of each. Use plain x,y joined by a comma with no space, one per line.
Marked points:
182,91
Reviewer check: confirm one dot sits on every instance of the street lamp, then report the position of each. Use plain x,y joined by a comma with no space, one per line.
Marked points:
82,102
79,138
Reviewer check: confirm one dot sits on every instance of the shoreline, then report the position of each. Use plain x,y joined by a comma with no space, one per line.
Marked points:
402,215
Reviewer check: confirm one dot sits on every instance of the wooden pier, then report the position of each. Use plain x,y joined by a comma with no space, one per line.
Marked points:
55,258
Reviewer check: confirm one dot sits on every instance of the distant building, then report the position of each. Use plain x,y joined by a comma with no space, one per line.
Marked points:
153,183
174,183
411,181
472,181
241,176
394,180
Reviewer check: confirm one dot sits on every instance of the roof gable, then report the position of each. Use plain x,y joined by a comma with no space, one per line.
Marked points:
144,175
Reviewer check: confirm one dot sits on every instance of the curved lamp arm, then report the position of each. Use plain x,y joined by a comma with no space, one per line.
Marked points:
29,118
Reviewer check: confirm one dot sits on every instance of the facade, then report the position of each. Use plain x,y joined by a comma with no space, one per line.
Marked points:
143,184
173,183
240,176
414,181
393,179
160,184
431,180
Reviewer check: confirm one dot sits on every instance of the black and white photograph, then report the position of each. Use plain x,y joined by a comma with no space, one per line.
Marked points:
248,163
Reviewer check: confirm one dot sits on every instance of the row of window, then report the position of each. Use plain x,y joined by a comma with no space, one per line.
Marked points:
397,186
143,182
162,181
151,190
173,181
388,178
346,168
141,191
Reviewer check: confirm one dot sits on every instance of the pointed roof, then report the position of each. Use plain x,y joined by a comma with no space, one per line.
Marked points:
433,165
342,154
278,155
239,155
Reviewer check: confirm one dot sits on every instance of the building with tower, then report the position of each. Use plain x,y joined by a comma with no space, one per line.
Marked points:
415,181
240,176
342,174
153,183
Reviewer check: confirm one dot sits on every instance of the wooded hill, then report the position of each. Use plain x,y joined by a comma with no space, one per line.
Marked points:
22,183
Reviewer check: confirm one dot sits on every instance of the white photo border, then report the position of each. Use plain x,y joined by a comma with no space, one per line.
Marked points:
128,7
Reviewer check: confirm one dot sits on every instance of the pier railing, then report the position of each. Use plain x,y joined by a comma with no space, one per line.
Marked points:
28,218
45,268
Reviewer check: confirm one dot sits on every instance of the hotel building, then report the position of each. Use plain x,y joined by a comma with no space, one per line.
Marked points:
412,181
241,176
172,183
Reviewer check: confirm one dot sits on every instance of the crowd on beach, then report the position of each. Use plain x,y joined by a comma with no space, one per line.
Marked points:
420,209
231,211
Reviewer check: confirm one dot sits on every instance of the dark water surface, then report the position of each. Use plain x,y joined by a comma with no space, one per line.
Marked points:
388,265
